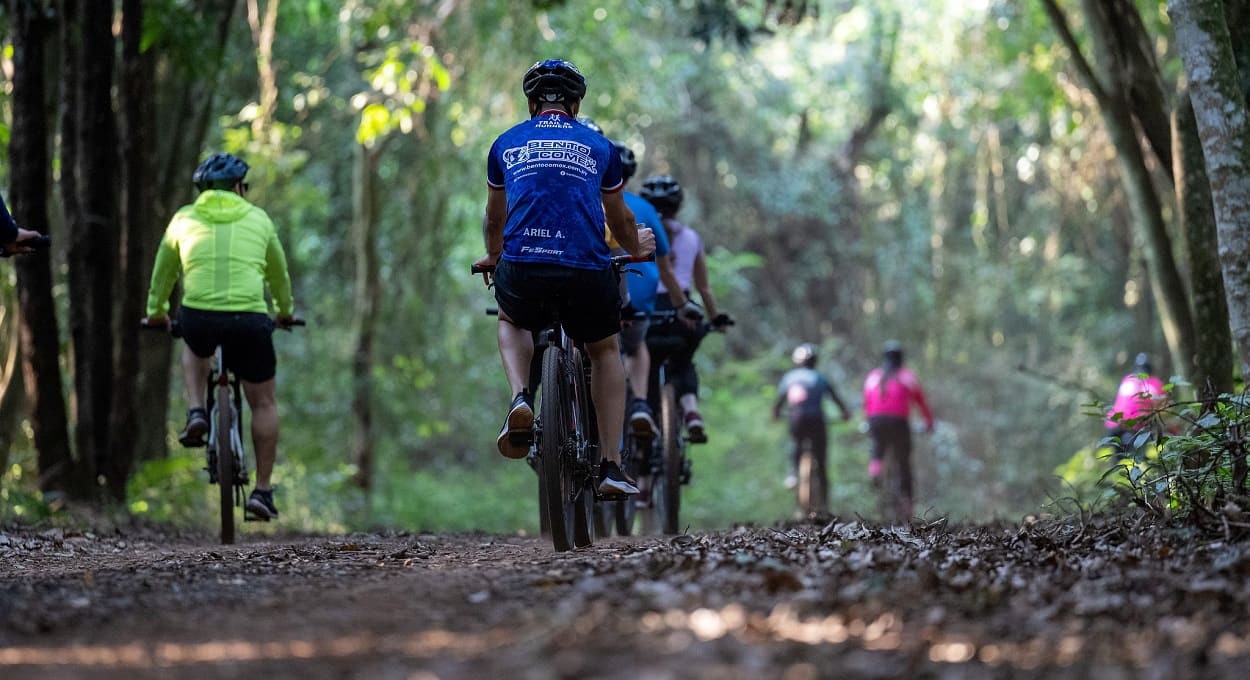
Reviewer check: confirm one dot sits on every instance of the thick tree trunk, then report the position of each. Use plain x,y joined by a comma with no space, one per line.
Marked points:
93,238
367,290
28,158
1202,39
137,75
1212,372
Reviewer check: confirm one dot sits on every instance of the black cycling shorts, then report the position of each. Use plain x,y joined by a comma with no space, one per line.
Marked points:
587,300
246,340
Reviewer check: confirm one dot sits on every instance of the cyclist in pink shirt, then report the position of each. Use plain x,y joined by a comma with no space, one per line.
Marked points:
1139,396
889,393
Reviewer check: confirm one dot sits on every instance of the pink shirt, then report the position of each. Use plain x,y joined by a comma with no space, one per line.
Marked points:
1136,397
685,245
900,392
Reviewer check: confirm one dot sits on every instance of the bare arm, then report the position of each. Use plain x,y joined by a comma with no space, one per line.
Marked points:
624,230
492,226
669,277
701,284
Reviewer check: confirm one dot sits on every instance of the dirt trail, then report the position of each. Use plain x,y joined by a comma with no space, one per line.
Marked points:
1107,599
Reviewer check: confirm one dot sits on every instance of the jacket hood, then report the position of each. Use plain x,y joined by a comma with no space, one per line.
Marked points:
221,206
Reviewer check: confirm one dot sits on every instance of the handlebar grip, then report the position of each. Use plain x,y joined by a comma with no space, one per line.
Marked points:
476,269
41,243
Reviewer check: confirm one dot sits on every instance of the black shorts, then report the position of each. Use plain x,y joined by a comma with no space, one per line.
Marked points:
587,301
246,340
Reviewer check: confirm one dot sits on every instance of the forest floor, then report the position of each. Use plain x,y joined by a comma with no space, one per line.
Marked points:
1109,597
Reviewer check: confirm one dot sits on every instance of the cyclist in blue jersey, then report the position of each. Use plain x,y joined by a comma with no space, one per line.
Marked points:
643,292
553,183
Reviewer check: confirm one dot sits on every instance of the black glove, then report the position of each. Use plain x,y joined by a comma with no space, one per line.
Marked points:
722,320
691,311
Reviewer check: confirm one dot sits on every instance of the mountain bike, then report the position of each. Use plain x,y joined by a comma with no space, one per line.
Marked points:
893,492
813,481
225,460
618,515
566,434
668,465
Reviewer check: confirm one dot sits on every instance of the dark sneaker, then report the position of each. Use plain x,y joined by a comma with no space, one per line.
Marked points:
260,506
613,482
641,422
192,436
518,428
694,428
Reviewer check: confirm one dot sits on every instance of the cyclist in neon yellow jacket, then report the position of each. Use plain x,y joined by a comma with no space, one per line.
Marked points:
226,250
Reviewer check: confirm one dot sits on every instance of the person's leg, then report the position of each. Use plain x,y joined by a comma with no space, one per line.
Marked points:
818,438
516,348
607,390
876,430
904,470
195,374
796,450
262,399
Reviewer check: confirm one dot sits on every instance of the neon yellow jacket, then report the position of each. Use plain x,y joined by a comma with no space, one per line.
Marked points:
226,250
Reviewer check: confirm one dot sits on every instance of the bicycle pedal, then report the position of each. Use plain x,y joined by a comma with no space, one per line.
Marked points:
250,518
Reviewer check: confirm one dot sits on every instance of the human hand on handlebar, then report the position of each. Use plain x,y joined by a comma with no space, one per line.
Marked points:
486,264
158,321
722,321
646,243
691,312
27,242
287,321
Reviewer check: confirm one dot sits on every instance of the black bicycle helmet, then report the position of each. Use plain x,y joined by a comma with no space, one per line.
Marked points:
892,351
219,171
804,355
629,162
553,80
663,192
590,123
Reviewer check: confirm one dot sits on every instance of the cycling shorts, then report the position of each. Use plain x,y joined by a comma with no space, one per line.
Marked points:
586,300
246,340
633,335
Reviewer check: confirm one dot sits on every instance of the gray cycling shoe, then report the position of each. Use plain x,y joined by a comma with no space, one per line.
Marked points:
192,436
518,428
260,506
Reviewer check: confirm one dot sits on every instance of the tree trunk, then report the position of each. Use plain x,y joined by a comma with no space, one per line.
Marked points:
1212,372
263,29
367,290
137,75
1202,39
28,158
12,388
1116,109
185,106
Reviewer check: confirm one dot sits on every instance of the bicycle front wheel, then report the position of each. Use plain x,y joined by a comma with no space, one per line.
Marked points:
224,434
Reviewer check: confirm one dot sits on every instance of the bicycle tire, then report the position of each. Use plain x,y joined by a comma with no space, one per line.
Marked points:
674,454
804,488
586,433
557,419
225,462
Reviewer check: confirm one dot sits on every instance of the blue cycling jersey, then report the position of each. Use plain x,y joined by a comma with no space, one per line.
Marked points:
642,286
553,170
8,228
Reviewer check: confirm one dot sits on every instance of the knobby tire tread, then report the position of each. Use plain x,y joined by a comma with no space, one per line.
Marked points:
555,434
225,462
673,455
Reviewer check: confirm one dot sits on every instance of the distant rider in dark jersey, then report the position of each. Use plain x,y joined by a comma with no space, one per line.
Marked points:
803,389
553,183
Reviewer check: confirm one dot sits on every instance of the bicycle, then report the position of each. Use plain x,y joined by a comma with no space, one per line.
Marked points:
669,466
225,459
565,436
813,481
893,487
619,515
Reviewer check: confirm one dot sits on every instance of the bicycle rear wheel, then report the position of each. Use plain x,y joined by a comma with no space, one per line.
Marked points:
225,462
586,434
557,442
668,482
623,511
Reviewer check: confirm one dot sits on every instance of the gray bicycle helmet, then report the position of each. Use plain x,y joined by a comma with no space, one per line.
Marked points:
629,162
553,80
219,171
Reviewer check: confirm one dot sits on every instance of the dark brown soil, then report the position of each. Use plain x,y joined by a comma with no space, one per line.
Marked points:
1109,598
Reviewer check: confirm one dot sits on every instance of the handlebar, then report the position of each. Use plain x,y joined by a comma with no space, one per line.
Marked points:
42,242
174,327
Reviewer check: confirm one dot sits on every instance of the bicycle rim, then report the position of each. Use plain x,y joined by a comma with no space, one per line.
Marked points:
674,454
225,463
556,436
